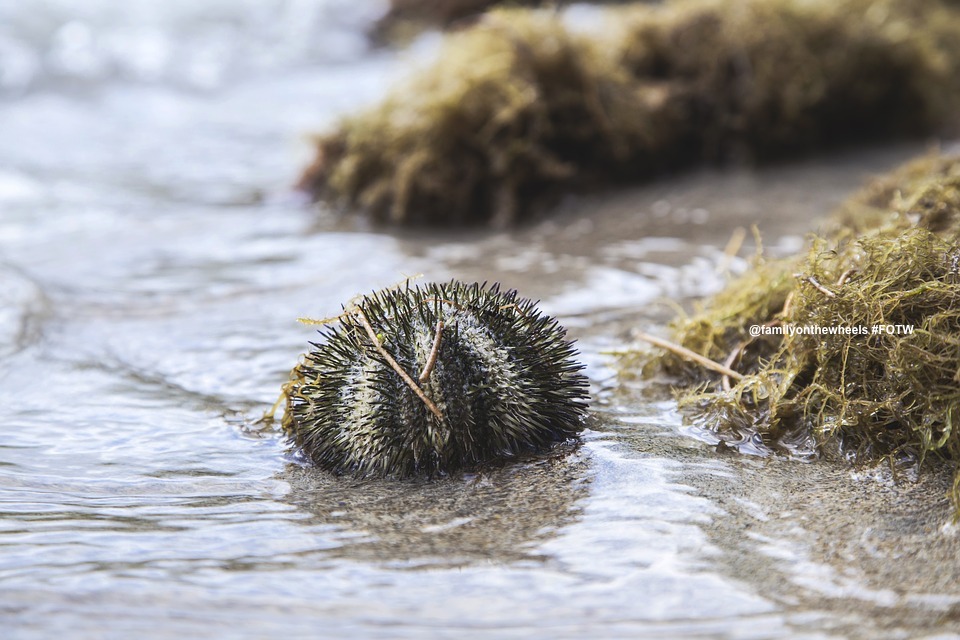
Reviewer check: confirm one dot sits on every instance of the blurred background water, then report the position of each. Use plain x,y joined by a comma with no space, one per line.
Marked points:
153,260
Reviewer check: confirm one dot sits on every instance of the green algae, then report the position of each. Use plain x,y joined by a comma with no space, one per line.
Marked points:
859,351
519,109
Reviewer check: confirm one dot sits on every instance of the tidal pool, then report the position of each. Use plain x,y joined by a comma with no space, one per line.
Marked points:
153,262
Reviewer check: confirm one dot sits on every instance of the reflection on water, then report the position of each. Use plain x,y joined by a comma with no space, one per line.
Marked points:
152,266
497,516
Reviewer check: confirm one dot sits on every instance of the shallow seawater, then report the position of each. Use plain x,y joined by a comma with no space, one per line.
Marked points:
153,262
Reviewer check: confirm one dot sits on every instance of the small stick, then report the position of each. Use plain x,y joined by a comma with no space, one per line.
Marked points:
395,365
845,276
683,352
432,360
728,363
816,285
787,306
514,306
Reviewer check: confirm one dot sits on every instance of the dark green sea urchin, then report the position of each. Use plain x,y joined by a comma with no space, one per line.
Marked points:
433,379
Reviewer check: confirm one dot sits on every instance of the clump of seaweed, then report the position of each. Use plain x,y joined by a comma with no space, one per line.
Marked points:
520,109
496,379
518,105
859,341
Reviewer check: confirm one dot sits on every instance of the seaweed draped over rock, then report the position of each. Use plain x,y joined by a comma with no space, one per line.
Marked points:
519,108
890,257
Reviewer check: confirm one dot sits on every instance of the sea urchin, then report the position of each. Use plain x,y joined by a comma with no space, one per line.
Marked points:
432,379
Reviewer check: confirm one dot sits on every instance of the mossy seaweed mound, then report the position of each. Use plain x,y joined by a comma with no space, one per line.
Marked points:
879,372
517,104
519,109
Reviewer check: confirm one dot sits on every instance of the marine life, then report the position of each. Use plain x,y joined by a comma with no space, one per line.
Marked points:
852,347
425,380
520,109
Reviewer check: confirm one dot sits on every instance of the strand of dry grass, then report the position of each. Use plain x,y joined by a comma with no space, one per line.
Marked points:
683,352
362,317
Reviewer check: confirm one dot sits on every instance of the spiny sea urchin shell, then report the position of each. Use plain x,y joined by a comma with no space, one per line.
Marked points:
432,379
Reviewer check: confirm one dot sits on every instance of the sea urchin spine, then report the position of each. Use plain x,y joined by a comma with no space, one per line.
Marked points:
433,379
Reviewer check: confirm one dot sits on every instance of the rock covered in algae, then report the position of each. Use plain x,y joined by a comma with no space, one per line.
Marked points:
871,367
519,108
434,379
